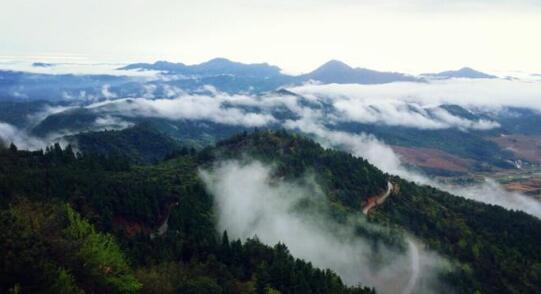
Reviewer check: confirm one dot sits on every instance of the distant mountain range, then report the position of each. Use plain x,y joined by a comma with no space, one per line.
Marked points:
333,71
338,72
222,74
216,66
465,72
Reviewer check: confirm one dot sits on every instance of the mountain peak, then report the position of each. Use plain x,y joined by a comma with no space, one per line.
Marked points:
335,71
218,61
334,64
464,72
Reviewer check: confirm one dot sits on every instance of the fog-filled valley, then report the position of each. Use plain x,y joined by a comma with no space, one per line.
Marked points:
448,132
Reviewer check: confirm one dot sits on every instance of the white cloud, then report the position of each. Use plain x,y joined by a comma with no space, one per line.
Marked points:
489,94
250,202
106,92
491,192
383,157
190,107
11,134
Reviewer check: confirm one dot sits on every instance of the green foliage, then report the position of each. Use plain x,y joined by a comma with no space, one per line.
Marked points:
50,247
346,179
498,248
47,245
102,259
139,144
471,144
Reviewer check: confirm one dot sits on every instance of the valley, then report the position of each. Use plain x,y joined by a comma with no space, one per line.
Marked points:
270,147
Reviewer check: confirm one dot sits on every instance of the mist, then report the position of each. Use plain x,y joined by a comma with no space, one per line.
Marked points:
491,192
250,202
383,157
11,134
487,94
413,105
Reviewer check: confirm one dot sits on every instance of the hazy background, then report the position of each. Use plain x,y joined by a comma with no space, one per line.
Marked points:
412,36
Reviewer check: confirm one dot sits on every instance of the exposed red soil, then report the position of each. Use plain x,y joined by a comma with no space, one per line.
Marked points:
433,158
374,201
130,228
530,186
525,147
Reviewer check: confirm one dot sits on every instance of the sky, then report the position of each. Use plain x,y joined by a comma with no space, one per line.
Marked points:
411,36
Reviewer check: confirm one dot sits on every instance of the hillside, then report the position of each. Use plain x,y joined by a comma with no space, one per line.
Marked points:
491,249
492,243
139,144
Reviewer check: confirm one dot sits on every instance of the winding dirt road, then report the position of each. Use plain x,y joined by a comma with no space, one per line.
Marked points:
377,200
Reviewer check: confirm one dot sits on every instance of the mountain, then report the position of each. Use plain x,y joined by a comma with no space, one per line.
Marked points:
338,72
21,114
108,216
223,74
216,66
139,144
474,146
158,66
42,64
21,86
465,72
60,212
331,72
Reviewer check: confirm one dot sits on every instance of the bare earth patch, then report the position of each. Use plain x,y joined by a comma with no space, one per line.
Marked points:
525,147
433,158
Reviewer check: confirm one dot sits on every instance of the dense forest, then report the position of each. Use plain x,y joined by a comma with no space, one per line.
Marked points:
75,224
94,223
138,144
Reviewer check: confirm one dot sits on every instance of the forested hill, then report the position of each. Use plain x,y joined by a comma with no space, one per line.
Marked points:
498,249
92,224
116,244
139,144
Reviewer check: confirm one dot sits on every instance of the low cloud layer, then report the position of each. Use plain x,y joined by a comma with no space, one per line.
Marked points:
73,67
383,157
322,107
492,192
480,93
250,202
322,104
189,107
11,134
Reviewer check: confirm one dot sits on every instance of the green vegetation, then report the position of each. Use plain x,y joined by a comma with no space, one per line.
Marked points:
471,145
138,144
130,202
102,214
49,247
498,249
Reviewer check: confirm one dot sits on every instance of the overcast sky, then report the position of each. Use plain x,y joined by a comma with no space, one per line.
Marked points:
297,35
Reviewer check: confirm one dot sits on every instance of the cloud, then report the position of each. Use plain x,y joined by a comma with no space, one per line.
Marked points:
11,134
390,99
189,107
106,92
487,94
321,107
491,192
383,157
70,67
250,202
110,123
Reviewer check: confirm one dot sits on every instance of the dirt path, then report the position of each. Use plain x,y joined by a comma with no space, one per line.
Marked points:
377,200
